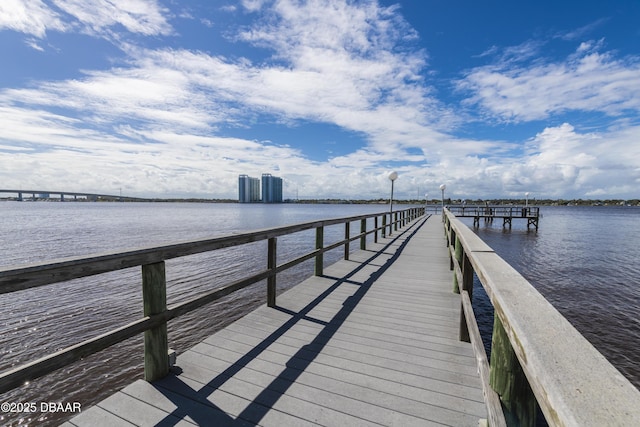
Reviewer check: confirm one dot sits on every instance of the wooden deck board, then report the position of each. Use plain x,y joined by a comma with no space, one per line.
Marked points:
374,341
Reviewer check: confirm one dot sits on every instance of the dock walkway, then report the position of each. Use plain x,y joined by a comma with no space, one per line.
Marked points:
373,341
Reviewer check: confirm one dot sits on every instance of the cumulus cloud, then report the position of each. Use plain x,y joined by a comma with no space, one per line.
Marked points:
564,158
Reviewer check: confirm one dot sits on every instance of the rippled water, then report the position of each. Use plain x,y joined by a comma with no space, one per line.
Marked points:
37,322
582,259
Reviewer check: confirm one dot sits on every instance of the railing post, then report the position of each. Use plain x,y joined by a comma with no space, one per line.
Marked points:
384,225
467,285
375,229
395,221
458,255
347,235
509,381
320,256
451,242
154,297
363,232
271,265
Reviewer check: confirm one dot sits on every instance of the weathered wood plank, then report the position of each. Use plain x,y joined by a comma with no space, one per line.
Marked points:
447,382
97,416
381,404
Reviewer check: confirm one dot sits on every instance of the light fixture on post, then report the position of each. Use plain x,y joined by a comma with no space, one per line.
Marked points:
442,188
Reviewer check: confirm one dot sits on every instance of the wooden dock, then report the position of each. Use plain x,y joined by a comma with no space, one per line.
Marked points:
372,341
506,213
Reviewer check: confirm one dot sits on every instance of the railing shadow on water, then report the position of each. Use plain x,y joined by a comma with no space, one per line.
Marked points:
152,263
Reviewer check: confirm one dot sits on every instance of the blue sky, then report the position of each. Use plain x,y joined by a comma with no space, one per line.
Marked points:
167,98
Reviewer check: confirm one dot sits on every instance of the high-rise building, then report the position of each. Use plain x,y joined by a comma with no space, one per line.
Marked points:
271,189
248,189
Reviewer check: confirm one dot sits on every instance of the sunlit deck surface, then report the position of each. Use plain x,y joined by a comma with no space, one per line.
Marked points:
374,341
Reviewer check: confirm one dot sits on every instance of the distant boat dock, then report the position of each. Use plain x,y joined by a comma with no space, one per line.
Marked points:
385,336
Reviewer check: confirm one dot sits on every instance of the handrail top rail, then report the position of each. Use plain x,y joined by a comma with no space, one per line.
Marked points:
574,384
15,278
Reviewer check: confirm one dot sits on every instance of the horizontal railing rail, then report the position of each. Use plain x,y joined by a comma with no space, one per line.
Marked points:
156,313
537,356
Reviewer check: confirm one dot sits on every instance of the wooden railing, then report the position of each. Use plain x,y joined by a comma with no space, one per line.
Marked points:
156,312
537,356
497,211
506,213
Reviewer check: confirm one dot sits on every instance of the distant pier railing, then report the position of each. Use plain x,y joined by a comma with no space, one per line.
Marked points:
152,263
537,357
506,213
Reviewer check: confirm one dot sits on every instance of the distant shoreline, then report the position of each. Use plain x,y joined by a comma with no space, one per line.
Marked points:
543,202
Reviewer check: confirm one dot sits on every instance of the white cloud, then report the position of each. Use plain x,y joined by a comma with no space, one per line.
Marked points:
587,81
144,17
95,17
153,123
562,160
152,107
253,5
32,17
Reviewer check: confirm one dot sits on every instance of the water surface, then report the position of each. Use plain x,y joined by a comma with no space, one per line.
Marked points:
582,259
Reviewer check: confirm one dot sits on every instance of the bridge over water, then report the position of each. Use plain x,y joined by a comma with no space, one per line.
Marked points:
21,195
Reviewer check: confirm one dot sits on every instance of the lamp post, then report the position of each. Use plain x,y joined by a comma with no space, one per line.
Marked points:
392,177
442,188
526,199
